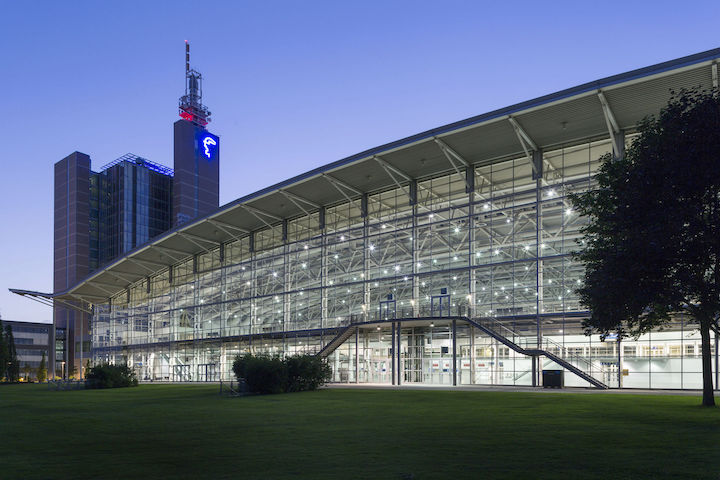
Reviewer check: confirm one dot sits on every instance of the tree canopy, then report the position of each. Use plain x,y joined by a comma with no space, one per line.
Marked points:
653,238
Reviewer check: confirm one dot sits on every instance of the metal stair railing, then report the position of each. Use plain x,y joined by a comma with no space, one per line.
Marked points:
484,325
536,352
590,365
338,340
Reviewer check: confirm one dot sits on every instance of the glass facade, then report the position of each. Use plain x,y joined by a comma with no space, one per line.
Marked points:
130,203
401,285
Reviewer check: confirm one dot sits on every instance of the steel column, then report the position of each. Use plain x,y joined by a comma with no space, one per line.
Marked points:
454,351
399,363
357,355
392,352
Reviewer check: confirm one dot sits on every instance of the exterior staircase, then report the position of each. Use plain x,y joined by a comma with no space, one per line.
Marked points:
488,326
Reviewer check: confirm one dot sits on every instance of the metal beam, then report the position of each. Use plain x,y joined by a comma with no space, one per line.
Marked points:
340,183
217,223
173,250
522,134
151,262
99,287
132,260
199,238
528,146
292,196
393,169
447,148
120,276
449,154
611,122
262,212
257,215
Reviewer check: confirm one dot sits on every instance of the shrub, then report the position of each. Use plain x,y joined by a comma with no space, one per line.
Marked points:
266,374
105,375
306,372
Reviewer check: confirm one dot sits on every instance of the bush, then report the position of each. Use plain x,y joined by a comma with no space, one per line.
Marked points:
105,375
266,374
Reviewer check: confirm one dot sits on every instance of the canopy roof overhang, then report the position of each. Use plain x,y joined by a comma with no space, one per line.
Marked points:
591,110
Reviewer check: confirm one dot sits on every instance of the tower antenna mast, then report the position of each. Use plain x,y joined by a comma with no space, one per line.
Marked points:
190,104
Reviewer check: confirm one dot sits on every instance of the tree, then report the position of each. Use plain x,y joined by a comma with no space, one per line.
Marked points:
653,238
42,369
27,371
13,368
4,352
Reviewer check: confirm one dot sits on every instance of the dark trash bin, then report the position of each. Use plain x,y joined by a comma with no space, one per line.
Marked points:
553,378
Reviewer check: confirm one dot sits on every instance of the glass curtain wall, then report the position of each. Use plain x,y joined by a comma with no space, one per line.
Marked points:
492,244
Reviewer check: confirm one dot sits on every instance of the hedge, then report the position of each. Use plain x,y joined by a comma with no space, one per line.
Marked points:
271,374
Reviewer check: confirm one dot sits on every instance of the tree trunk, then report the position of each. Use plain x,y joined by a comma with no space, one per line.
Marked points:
708,398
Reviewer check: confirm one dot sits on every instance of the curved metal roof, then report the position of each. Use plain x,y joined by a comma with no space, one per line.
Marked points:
572,115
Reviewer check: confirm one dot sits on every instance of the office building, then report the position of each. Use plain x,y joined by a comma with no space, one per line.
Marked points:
441,258
32,340
100,216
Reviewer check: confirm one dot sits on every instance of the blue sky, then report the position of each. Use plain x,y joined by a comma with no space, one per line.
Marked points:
291,85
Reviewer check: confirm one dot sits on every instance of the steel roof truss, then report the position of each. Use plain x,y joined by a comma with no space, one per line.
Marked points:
99,287
337,184
151,262
449,154
257,215
610,121
392,171
133,261
221,227
170,251
199,239
293,196
527,144
122,277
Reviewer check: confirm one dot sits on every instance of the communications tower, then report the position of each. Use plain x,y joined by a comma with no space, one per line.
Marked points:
197,154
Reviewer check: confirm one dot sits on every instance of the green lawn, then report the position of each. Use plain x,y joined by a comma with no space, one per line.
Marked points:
188,431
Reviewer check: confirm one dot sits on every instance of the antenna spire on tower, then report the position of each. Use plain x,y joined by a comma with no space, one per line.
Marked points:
191,107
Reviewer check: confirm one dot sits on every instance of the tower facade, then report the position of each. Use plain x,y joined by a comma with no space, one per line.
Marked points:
99,216
71,255
196,154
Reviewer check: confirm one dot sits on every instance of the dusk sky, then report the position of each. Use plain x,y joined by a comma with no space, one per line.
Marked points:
291,85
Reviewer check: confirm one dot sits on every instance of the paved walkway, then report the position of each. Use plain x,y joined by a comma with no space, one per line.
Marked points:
510,388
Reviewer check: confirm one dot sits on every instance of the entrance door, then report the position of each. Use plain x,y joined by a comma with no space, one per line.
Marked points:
440,306
206,372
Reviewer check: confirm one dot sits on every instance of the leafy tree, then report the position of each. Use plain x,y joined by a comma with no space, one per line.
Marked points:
27,371
42,369
4,353
653,238
13,368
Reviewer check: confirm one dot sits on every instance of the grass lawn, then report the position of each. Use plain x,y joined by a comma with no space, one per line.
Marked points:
189,431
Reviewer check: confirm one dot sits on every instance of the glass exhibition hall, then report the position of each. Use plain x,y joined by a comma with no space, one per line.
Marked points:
442,258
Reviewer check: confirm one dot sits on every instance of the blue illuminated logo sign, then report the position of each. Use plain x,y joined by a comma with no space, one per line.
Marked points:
208,145
207,142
